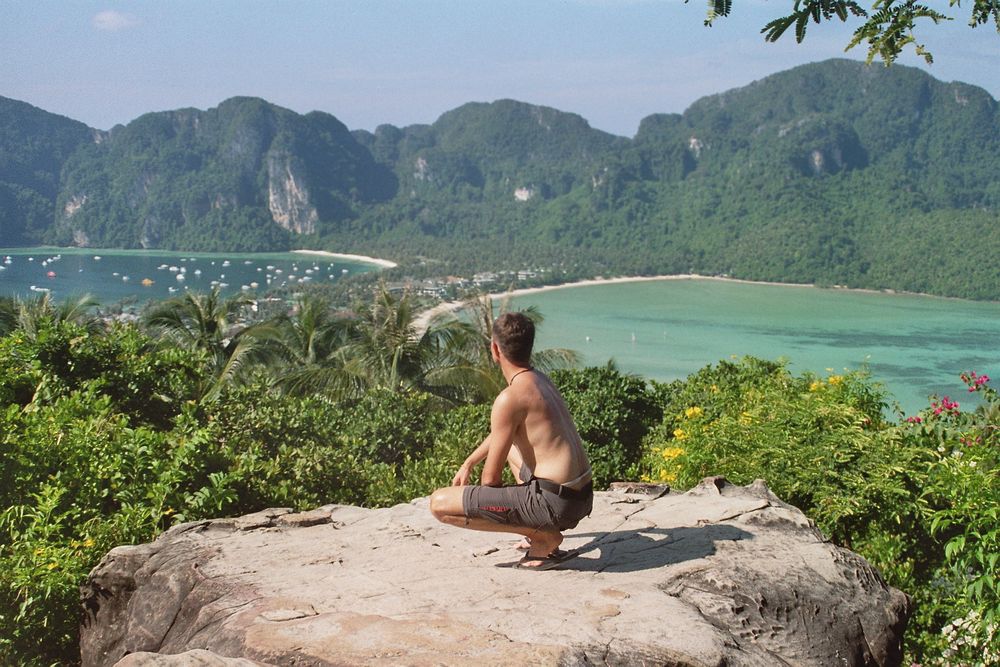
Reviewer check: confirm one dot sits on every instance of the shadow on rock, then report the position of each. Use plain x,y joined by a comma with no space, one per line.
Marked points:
650,548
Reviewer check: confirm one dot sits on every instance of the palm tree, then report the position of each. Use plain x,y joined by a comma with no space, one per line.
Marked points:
303,349
209,324
28,315
317,351
387,350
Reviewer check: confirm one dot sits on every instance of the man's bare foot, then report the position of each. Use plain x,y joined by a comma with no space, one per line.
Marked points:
543,545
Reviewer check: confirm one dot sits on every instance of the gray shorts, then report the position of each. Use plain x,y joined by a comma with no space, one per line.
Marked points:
527,505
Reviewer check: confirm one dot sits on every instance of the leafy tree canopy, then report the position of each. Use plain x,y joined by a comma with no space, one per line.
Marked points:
887,28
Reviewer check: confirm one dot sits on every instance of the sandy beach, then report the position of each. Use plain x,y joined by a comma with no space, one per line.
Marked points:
450,306
384,263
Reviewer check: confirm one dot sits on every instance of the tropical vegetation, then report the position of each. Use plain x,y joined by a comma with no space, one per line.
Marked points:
112,432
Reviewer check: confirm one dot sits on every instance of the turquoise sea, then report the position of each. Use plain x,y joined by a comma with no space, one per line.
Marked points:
915,345
140,275
664,329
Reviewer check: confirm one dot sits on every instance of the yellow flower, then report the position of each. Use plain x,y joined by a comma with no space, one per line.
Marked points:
816,385
670,453
692,412
835,379
715,389
39,551
88,543
52,566
679,433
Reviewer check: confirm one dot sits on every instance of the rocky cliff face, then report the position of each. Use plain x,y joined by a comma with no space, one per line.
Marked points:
721,575
288,196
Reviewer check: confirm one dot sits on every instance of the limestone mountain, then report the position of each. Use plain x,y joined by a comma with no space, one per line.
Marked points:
34,144
246,175
506,149
829,173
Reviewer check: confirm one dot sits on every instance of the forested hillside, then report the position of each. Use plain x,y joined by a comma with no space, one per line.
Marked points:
34,144
829,173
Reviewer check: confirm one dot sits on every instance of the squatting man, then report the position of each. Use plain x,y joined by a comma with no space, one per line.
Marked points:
532,431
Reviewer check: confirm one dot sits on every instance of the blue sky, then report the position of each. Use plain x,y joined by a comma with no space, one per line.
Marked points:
369,62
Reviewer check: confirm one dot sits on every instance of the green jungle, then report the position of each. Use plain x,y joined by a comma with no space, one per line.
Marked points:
832,173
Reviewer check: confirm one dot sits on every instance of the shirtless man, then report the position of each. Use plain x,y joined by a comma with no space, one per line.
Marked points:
532,431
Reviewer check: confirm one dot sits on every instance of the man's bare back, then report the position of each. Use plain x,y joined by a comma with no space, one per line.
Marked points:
546,437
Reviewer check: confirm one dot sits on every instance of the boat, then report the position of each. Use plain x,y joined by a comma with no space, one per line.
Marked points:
147,282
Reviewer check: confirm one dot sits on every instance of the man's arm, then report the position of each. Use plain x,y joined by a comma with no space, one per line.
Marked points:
504,419
464,473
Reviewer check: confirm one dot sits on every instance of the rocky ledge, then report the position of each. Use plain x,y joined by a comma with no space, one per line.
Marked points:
720,575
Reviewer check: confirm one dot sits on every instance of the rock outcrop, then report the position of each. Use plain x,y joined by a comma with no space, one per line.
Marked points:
720,575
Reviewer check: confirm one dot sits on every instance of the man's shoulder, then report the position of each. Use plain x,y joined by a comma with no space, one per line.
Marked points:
504,399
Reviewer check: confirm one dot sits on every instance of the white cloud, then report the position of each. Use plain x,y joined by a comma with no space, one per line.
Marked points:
113,21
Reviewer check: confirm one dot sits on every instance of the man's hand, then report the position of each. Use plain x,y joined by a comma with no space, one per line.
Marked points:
462,476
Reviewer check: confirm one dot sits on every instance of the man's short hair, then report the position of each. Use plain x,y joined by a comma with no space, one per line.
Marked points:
515,336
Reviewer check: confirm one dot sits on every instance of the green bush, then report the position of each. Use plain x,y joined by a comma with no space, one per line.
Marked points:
613,412
920,499
103,441
76,478
458,433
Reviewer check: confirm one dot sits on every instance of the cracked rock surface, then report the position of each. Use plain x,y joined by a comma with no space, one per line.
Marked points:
720,575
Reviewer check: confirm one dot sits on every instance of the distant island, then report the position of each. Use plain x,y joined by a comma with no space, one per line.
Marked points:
832,173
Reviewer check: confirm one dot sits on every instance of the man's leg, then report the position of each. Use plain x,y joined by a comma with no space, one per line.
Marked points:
516,464
446,506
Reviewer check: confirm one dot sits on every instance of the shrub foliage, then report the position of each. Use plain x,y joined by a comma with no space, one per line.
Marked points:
108,439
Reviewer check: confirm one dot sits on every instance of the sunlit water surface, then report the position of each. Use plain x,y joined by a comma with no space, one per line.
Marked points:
915,345
115,275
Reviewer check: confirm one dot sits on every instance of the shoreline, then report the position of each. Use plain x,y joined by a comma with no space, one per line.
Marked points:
384,263
424,318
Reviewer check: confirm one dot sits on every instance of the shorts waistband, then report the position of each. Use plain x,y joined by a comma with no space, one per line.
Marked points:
564,491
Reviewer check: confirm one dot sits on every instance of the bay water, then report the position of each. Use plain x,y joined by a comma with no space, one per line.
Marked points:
142,275
667,329
663,329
